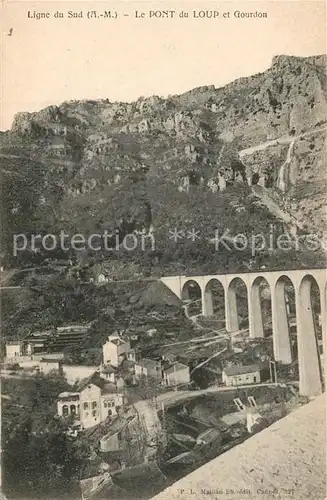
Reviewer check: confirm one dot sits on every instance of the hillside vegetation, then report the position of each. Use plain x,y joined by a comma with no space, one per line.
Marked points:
158,164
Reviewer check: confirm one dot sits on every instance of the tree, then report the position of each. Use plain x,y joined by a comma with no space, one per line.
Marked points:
40,460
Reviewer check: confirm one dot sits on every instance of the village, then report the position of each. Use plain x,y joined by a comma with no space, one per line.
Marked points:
170,405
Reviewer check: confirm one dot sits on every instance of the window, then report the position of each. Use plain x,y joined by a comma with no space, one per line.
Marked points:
86,406
94,404
94,413
105,404
65,411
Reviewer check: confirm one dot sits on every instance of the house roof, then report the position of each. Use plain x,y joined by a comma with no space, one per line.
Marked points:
142,480
108,389
128,363
117,341
176,367
49,360
69,396
108,369
146,363
209,435
119,423
185,457
102,485
94,378
241,369
43,334
62,329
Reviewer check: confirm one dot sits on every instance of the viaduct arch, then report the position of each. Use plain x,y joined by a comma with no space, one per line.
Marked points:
310,370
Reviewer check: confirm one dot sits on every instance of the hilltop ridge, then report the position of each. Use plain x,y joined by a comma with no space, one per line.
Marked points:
160,163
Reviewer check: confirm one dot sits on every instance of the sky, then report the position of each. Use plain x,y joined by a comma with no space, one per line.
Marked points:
49,61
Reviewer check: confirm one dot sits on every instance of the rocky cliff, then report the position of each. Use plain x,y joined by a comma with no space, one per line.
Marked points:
187,161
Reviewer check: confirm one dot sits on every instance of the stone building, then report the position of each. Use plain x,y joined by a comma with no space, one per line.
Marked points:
176,374
148,368
241,375
93,401
115,350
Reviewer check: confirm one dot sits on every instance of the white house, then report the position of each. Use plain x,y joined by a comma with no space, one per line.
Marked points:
176,374
241,375
115,350
102,278
134,355
46,365
93,401
108,372
14,349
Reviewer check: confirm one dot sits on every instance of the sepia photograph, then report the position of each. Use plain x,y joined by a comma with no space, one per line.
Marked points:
163,284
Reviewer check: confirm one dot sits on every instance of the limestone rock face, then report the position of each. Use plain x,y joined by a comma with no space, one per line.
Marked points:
180,152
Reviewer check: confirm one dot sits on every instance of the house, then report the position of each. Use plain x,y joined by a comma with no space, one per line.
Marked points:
208,436
92,402
102,278
36,343
111,401
170,357
241,375
139,481
148,368
176,374
14,349
108,372
102,484
68,404
46,365
129,366
115,350
122,428
120,384
151,332
134,355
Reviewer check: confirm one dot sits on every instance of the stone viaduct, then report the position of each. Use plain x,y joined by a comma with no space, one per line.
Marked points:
310,369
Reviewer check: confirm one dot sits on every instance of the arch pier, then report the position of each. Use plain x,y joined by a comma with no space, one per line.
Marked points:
279,286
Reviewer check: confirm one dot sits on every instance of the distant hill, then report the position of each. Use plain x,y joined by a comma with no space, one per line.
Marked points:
187,161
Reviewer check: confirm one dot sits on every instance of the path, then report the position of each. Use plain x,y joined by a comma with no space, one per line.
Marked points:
173,397
287,139
151,424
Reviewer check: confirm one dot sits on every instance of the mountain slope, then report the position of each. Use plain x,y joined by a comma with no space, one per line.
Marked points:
184,162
